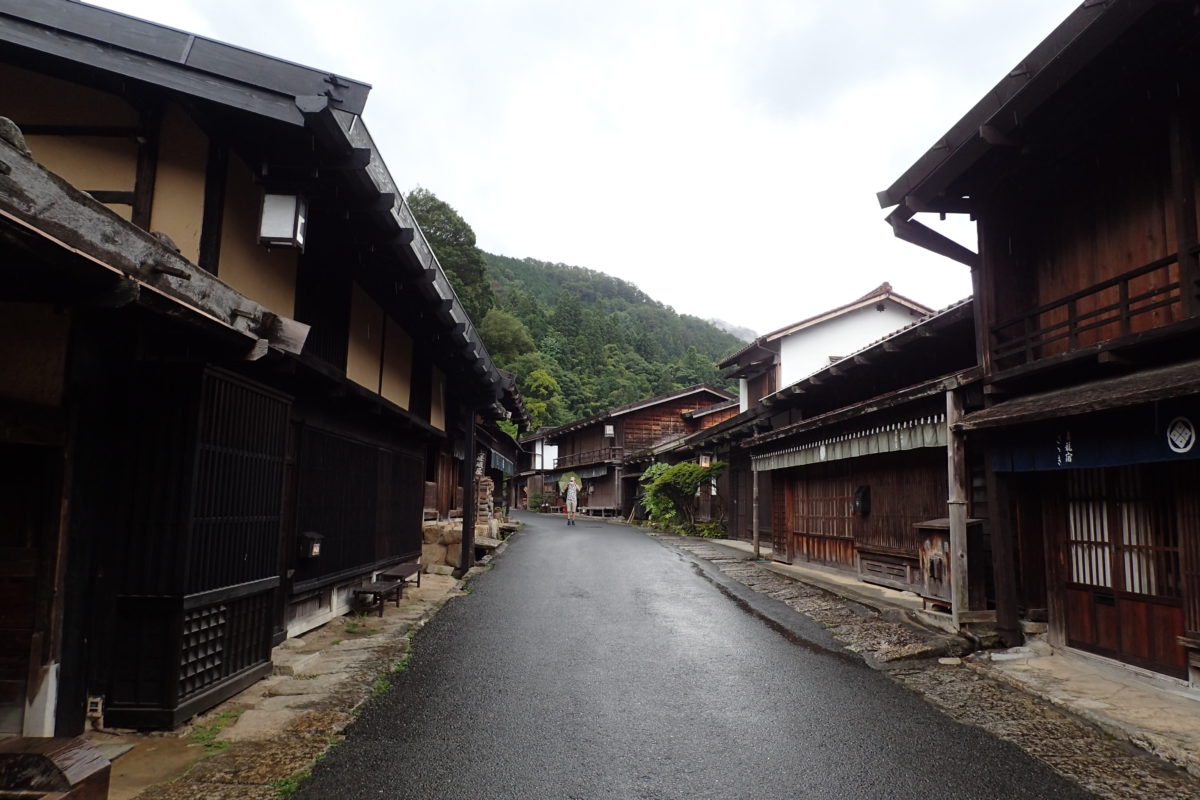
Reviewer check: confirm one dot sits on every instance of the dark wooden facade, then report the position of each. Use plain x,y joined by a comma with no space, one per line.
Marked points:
859,454
184,411
596,448
820,525
1087,308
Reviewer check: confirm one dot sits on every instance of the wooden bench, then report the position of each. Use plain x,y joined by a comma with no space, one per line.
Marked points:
378,593
402,573
389,583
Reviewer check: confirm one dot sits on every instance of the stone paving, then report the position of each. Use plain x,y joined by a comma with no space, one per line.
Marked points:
263,741
924,662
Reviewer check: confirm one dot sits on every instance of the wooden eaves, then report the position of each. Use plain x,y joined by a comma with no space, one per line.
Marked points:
995,120
183,62
38,206
883,402
328,105
1105,394
585,422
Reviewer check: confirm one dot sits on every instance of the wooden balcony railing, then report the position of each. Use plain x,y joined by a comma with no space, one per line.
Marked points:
1141,299
603,455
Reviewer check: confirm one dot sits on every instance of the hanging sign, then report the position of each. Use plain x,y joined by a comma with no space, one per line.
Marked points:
1141,435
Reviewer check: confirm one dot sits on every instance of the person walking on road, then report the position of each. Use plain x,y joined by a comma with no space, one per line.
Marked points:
572,500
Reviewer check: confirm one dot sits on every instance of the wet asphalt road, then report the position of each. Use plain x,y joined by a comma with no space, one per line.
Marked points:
594,662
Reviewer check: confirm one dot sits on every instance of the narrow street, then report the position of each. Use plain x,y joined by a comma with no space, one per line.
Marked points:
593,662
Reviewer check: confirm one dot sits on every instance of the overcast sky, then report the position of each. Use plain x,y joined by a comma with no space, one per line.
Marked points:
723,155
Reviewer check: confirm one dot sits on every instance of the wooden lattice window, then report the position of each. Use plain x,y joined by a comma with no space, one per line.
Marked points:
1122,533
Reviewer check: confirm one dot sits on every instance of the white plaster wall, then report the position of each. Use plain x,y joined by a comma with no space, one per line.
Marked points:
743,395
39,710
548,455
807,351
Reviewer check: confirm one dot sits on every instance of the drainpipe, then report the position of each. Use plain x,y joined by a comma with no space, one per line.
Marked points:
467,555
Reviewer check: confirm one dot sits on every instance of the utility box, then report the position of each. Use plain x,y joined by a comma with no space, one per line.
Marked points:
935,559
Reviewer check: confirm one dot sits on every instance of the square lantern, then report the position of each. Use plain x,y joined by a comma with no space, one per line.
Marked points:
310,544
283,220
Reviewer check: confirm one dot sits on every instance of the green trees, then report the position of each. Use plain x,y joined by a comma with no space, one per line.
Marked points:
505,337
542,399
453,243
603,340
592,341
671,492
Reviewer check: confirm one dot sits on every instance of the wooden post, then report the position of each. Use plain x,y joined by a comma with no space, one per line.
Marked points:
1003,564
754,511
617,493
1183,183
467,556
956,464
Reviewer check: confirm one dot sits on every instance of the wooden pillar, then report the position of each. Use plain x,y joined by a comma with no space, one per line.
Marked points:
1004,574
1183,183
467,555
617,493
754,512
956,503
147,168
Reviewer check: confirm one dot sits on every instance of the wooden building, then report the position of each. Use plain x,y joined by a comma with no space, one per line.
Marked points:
1080,167
859,459
595,448
535,470
781,358
212,433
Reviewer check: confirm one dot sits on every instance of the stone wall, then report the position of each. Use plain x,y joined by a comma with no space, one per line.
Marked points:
442,539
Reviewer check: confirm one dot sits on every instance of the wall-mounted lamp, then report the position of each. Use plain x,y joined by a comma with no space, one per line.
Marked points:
706,461
862,501
284,220
310,544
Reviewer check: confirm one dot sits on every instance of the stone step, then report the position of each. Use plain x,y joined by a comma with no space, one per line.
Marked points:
291,662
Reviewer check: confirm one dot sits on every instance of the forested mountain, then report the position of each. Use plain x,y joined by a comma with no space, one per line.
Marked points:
578,340
603,341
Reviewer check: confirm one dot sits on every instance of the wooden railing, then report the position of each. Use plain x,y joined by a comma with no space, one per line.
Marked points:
1109,310
604,454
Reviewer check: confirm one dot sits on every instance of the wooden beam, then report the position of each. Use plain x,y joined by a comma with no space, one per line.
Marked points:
1183,191
384,201
914,232
994,136
1112,357
87,235
213,215
147,169
425,277
863,360
112,197
106,131
940,205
